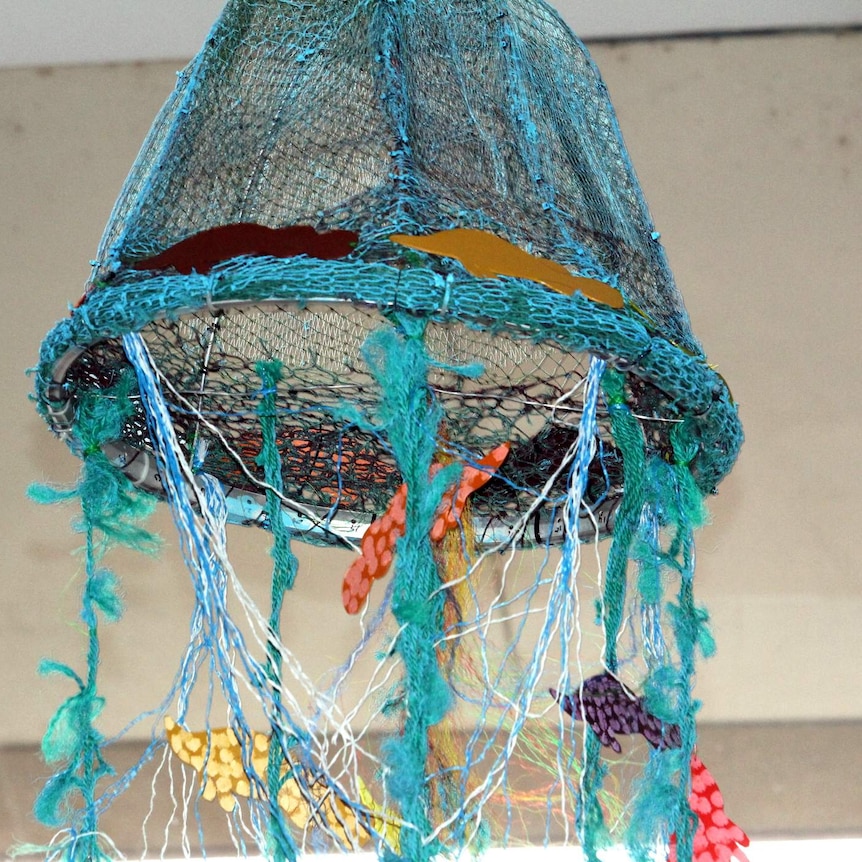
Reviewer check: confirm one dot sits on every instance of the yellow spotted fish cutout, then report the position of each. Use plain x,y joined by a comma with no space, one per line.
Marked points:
488,256
224,779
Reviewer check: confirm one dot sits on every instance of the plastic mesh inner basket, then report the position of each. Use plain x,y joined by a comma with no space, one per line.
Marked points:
514,390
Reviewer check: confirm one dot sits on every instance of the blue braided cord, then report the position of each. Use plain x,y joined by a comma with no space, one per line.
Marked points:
202,542
560,614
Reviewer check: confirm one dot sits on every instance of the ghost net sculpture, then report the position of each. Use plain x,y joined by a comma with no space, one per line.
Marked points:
382,278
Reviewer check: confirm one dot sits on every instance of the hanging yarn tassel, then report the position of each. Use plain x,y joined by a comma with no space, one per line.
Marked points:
112,511
283,576
589,820
409,417
653,531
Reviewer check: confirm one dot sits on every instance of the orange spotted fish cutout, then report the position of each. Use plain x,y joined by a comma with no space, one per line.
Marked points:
378,543
217,757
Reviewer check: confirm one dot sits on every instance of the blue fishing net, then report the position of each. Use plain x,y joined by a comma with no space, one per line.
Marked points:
255,294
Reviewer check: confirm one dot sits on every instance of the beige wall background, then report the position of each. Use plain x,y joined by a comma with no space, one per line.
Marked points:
749,150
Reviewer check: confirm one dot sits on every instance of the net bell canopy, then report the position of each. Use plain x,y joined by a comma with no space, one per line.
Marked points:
382,276
326,168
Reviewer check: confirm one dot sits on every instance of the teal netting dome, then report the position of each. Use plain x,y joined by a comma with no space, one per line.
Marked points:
287,305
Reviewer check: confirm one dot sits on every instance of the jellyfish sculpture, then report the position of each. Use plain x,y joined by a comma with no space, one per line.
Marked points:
382,278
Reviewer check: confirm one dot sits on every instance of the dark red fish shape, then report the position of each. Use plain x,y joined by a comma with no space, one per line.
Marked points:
202,251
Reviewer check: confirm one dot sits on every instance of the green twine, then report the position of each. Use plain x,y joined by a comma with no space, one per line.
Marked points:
284,560
285,567
589,820
685,626
656,804
629,439
112,510
112,507
661,803
409,418
671,494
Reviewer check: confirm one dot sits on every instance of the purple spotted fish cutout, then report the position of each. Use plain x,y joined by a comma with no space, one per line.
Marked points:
609,709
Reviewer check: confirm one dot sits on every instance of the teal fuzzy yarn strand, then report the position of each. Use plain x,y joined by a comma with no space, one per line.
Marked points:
285,567
111,514
409,417
629,437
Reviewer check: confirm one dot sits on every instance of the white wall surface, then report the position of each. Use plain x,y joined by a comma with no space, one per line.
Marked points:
750,154
53,32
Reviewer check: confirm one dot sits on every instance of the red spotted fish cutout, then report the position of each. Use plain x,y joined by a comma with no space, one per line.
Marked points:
378,543
609,709
718,838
